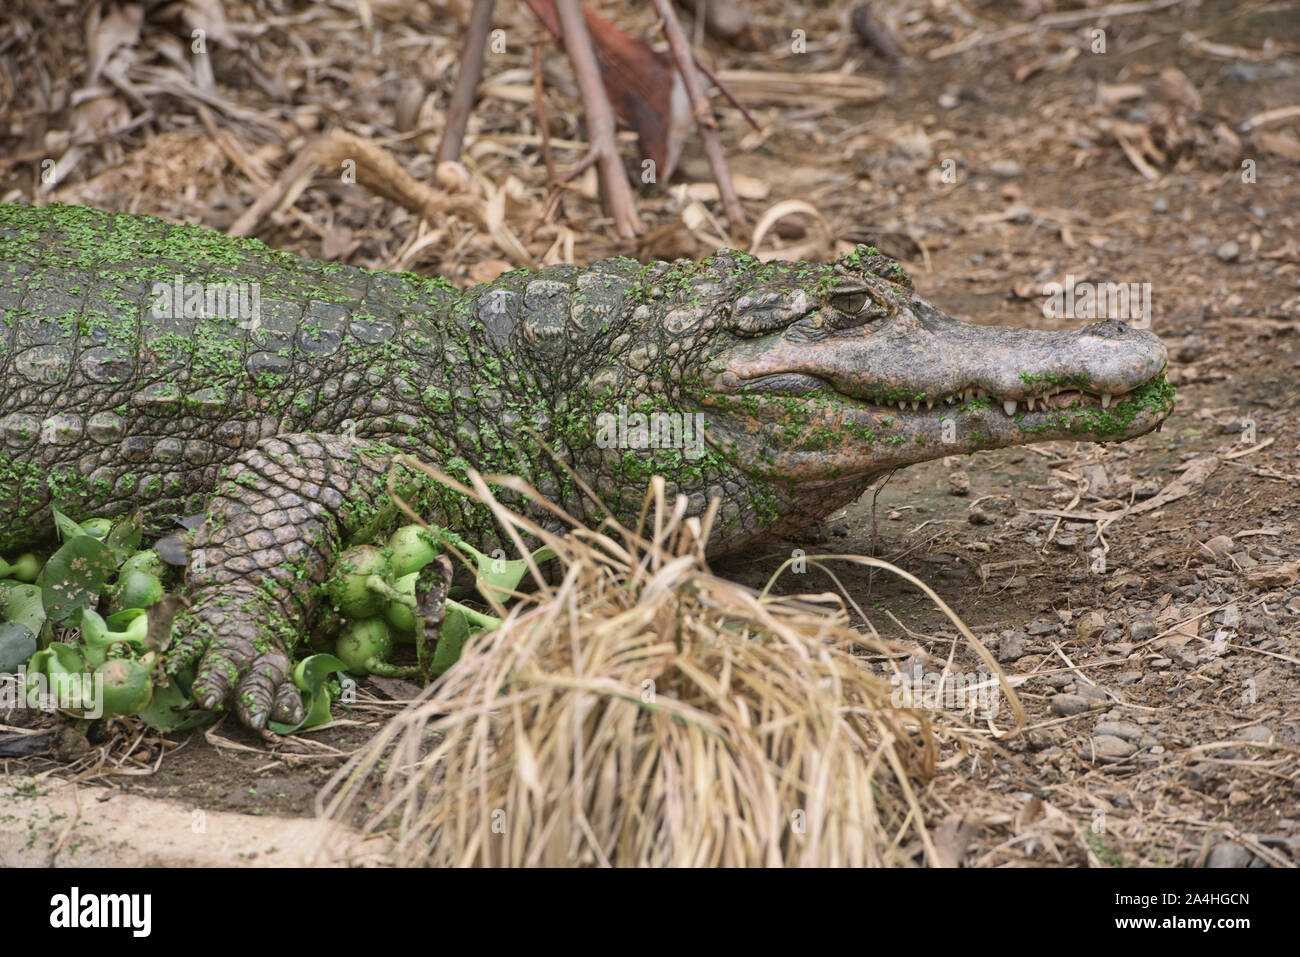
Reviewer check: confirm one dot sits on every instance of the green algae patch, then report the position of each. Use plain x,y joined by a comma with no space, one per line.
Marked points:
1157,397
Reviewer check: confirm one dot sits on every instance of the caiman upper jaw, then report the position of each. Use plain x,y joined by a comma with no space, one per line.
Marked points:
938,358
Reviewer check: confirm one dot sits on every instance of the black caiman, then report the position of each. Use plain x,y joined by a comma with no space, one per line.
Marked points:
172,369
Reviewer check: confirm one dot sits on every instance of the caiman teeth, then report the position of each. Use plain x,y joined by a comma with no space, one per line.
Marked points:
1009,406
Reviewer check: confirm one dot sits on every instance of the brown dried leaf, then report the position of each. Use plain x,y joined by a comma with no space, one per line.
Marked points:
121,28
1279,143
1108,94
1274,576
338,242
1177,89
951,839
210,17
1028,815
485,270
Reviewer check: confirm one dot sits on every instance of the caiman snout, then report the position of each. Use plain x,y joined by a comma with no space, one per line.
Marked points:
939,359
919,385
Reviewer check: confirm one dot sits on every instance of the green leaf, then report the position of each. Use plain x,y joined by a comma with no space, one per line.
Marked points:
120,621
495,576
60,658
63,668
124,538
169,708
75,576
67,528
23,603
17,645
312,676
451,641
312,673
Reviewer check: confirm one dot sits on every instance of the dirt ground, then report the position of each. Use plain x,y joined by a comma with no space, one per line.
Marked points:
1157,650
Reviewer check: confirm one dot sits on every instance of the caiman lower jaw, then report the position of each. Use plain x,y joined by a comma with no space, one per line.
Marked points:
813,437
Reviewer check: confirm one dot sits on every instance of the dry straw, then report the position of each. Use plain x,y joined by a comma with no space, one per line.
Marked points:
643,711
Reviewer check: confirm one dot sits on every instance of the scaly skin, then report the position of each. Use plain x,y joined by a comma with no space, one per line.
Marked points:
810,380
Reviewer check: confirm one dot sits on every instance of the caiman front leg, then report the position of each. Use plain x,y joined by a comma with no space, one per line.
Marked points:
267,542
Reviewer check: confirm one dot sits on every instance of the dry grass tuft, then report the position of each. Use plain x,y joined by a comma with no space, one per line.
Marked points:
643,711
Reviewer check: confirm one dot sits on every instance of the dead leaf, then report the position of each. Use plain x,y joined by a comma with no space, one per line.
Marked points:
1177,89
951,838
1108,94
121,28
1028,815
1279,143
338,242
1194,476
485,270
747,187
208,16
1274,576
1026,70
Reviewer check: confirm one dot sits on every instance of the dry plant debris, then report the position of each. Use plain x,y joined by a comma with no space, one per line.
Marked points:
643,711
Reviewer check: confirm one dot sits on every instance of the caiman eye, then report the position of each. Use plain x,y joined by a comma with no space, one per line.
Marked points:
850,303
855,307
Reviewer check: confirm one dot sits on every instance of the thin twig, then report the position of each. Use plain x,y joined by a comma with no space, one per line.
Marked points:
600,117
726,92
543,126
703,113
471,71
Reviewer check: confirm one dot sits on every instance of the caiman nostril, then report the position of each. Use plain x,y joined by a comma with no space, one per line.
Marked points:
1107,329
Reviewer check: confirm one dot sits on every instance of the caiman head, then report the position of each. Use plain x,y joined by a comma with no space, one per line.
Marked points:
813,380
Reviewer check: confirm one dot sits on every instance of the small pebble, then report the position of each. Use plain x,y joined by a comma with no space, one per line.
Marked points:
1090,626
1219,546
1146,489
1013,647
1111,748
1228,855
1119,729
1068,704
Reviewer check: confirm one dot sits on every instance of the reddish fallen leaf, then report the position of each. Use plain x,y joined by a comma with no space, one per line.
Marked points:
642,85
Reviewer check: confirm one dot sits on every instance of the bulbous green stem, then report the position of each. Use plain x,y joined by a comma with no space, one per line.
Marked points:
488,622
380,585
